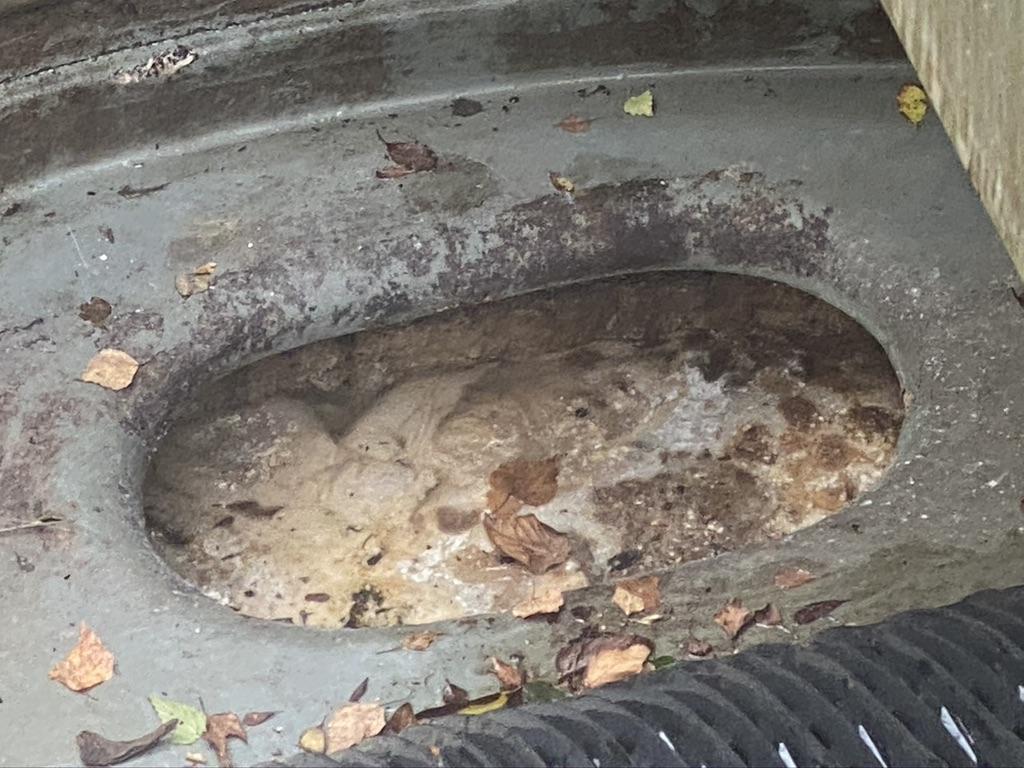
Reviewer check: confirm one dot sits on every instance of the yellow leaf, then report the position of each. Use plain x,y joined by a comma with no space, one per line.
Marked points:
111,369
640,106
562,184
912,103
87,665
313,740
482,708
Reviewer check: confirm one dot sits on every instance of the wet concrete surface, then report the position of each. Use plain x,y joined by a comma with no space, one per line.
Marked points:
805,175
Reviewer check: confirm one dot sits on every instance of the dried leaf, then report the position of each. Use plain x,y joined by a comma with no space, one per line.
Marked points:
637,595
161,65
400,719
528,541
111,369
257,718
359,691
619,656
419,641
562,183
509,678
769,616
220,728
454,695
912,102
313,740
610,665
94,749
575,124
199,280
352,724
548,601
789,578
699,648
87,665
640,106
815,611
191,721
409,156
734,618
532,482
95,311
463,107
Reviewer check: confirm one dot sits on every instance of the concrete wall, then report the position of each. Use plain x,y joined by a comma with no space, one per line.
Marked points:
970,57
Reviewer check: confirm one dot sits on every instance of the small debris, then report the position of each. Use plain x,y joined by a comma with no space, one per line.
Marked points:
531,482
637,595
351,724
400,719
162,65
94,749
419,641
548,601
574,124
510,678
790,578
408,156
769,616
108,234
625,559
359,691
313,740
87,665
256,718
562,183
583,93
197,281
220,728
130,192
733,618
640,106
816,611
43,522
111,369
95,311
699,648
191,721
463,107
912,103
196,758
527,540
11,209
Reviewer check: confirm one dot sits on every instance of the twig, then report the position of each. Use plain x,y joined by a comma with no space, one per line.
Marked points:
28,526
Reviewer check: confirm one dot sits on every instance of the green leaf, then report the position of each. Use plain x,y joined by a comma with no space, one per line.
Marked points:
663,661
542,691
191,722
640,106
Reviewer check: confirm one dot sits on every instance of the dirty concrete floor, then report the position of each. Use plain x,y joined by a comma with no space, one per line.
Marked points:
690,415
803,174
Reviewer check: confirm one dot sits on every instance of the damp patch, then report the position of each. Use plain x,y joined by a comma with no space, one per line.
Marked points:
345,483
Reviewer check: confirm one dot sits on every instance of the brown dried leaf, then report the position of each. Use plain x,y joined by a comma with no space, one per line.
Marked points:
412,156
453,695
95,311
789,578
637,595
313,740
359,691
573,660
257,718
220,728
562,183
609,665
769,616
532,482
815,611
94,749
509,678
400,719
699,648
199,280
528,541
87,665
111,369
351,724
419,641
548,601
575,124
734,618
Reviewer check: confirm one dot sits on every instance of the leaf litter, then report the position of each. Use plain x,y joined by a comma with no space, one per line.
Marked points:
197,281
815,611
191,721
547,602
912,103
408,157
419,641
220,728
733,618
87,665
257,718
527,540
590,662
94,749
95,311
641,105
574,124
790,578
111,369
638,595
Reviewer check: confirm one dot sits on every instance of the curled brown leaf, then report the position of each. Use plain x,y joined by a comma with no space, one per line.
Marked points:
94,749
733,618
527,540
816,611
